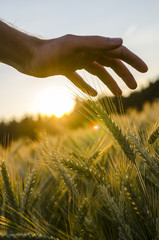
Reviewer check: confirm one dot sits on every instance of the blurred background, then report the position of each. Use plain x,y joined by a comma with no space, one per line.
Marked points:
137,22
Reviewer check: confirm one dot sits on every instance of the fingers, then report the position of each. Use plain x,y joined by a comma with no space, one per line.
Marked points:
77,80
96,43
95,52
121,70
129,57
95,46
98,70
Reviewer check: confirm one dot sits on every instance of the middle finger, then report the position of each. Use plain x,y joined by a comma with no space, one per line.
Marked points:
120,69
129,57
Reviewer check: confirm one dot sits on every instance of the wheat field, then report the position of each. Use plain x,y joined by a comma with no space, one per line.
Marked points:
101,185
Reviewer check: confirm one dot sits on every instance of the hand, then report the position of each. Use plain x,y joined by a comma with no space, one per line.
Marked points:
69,53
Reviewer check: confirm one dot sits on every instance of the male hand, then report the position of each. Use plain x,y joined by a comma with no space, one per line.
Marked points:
65,55
69,53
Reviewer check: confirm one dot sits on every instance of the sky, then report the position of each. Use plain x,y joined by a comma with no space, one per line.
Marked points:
137,22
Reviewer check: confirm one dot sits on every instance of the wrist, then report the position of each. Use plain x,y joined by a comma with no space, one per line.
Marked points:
16,47
33,46
44,57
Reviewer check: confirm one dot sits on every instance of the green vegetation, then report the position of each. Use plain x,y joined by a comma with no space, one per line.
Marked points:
101,184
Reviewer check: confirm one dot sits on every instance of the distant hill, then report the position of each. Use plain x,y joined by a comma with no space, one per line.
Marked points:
138,99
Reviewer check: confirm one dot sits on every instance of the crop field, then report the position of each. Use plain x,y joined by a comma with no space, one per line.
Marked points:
100,182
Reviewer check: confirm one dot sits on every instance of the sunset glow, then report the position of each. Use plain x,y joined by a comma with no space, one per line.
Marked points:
50,102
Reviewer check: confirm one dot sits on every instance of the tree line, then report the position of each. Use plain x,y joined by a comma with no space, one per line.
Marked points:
30,127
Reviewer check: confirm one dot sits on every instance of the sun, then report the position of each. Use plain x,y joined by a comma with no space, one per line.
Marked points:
53,102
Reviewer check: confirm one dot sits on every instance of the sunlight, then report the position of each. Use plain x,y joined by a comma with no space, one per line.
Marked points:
94,126
53,102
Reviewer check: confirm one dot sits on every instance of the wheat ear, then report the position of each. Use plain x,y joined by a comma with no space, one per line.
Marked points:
8,188
153,137
115,130
26,198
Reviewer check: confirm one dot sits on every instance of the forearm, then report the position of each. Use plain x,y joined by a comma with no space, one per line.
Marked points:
16,47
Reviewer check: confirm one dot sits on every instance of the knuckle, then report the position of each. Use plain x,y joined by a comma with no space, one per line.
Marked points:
68,36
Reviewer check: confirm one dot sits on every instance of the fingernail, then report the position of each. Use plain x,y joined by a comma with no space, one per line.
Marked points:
133,85
93,94
117,41
145,68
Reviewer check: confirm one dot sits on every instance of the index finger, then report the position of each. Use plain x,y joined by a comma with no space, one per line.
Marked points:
95,43
129,57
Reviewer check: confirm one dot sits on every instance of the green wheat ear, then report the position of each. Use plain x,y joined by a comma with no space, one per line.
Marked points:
9,195
154,135
10,206
27,194
117,133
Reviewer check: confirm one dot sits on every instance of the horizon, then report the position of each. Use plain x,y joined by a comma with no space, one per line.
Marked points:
126,105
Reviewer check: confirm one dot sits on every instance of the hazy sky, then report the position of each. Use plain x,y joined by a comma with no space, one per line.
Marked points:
137,22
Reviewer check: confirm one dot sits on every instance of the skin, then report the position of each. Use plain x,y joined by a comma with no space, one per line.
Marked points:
67,54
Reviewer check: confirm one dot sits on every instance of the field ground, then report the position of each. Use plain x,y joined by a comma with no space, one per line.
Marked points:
100,183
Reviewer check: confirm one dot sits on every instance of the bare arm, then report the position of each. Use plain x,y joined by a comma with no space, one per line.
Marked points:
65,55
16,47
